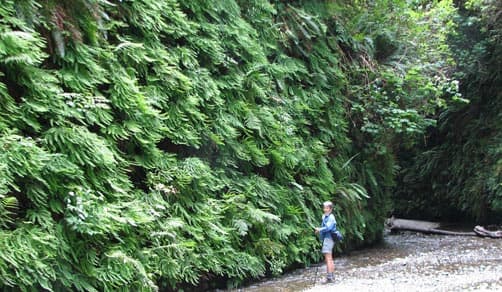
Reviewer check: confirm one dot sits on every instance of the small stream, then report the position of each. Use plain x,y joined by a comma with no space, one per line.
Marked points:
405,262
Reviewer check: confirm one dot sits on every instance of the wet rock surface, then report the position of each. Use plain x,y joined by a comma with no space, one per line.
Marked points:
405,262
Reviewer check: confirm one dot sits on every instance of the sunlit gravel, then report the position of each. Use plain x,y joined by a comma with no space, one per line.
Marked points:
406,262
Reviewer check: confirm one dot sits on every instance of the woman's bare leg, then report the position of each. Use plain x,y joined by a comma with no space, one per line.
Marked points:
330,265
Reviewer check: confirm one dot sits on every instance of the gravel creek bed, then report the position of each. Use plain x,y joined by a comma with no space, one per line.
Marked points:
405,262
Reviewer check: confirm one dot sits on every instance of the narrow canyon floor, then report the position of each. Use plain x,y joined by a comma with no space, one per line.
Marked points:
405,262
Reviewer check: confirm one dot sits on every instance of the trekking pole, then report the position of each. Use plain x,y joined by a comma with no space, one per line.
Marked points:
315,277
316,272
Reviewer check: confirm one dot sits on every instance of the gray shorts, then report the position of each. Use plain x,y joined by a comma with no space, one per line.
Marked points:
327,245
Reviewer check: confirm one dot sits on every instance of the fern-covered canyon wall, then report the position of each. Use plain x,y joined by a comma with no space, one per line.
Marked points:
157,145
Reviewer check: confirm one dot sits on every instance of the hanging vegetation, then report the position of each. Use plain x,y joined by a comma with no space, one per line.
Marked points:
151,145
456,173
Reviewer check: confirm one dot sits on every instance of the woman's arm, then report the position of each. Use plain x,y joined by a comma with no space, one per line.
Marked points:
330,224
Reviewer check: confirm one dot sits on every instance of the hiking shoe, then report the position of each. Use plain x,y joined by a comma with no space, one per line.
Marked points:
327,281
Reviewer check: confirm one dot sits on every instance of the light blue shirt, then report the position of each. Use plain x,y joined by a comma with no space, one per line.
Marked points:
328,225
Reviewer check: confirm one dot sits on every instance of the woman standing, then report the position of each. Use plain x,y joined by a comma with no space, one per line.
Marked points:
328,242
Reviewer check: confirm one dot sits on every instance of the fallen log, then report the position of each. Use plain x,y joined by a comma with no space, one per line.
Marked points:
481,231
428,227
412,225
